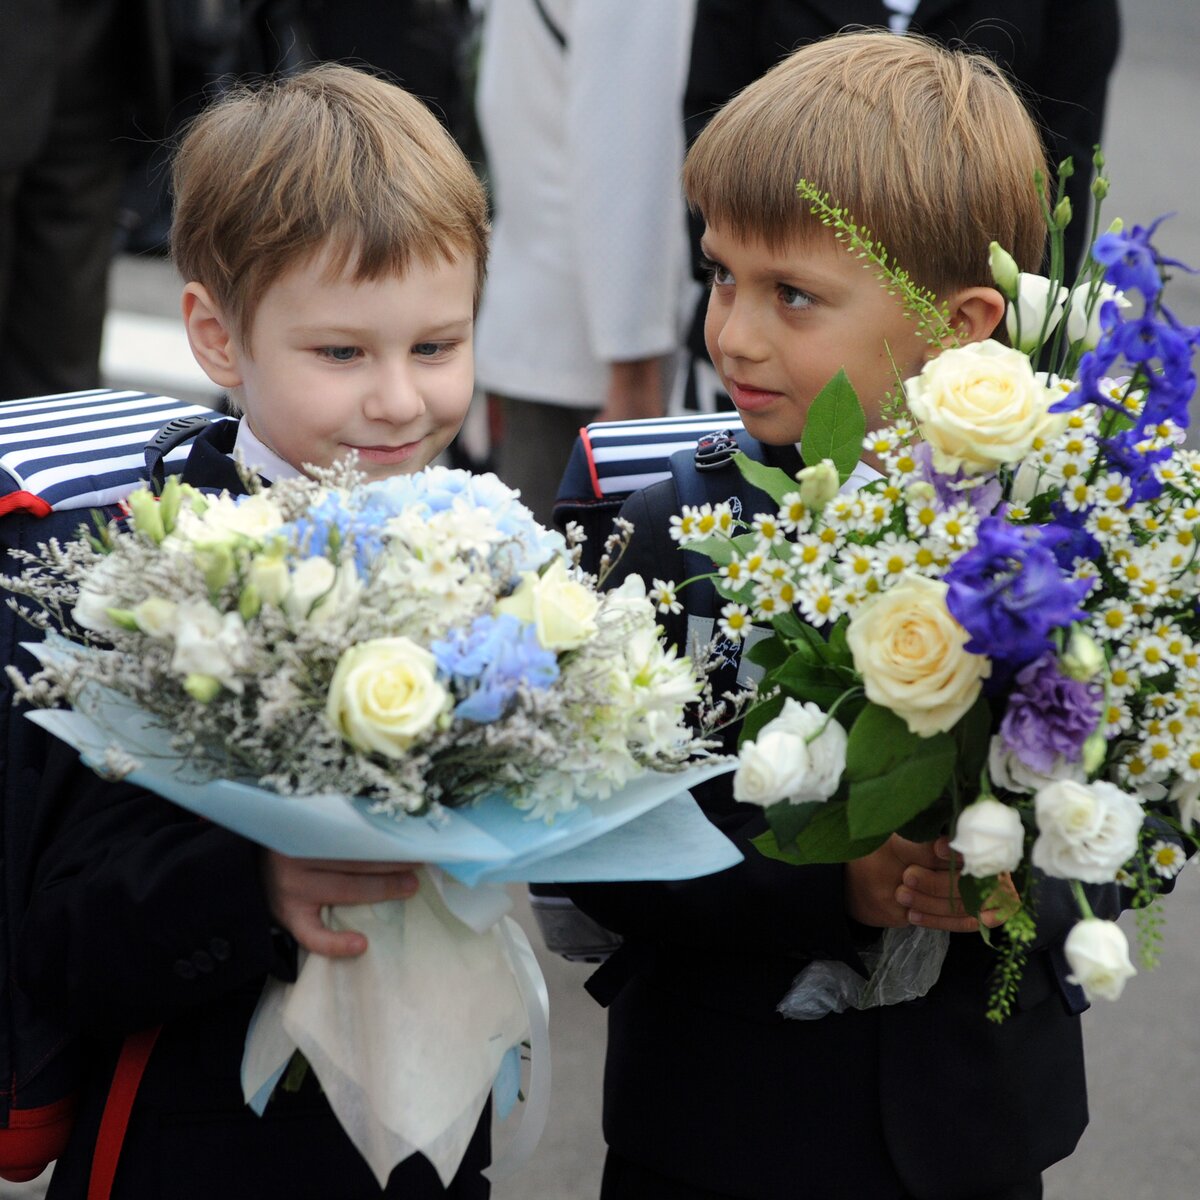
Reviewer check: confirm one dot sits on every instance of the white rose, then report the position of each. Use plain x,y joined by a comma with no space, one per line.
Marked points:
1084,328
562,610
799,756
990,837
1098,955
1009,772
910,653
980,406
1033,299
210,643
384,695
1086,831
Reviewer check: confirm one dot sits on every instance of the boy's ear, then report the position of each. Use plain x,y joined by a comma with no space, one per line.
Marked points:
975,312
209,336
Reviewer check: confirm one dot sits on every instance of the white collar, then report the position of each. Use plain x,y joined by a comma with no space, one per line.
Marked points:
258,456
862,474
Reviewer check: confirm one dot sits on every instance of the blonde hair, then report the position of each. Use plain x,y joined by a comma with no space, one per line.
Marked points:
329,160
929,149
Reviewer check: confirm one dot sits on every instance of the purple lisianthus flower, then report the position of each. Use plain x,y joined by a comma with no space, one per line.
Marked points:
1009,593
982,493
1049,715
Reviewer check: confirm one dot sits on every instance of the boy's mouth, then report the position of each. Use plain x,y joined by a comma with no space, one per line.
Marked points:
386,455
751,399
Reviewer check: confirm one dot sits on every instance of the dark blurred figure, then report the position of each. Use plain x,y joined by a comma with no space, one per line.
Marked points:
1060,53
76,77
211,44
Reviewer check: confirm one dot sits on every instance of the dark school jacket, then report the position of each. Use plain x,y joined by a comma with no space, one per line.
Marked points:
706,1083
143,914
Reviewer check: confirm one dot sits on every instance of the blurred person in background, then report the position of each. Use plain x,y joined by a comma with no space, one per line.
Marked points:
1060,54
578,106
76,77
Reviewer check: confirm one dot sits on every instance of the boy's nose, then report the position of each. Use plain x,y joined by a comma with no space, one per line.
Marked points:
739,333
394,396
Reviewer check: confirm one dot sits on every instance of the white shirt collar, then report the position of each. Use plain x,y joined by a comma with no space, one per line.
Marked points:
258,456
862,474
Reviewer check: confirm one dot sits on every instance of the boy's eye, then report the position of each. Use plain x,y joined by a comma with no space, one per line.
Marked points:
715,274
793,297
432,349
339,353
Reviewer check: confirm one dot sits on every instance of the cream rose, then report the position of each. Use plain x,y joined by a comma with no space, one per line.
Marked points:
562,610
1086,831
910,652
1098,955
989,836
980,406
384,695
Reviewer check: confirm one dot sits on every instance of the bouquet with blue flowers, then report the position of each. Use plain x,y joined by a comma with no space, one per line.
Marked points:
999,636
408,670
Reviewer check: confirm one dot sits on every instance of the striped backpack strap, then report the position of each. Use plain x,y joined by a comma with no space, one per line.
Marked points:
82,449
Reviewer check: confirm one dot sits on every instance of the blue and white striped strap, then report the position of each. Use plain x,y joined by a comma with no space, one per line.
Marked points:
84,449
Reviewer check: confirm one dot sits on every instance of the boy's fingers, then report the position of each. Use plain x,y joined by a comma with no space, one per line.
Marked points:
306,926
959,924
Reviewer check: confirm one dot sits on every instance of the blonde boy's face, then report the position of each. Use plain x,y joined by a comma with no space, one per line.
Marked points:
781,323
383,367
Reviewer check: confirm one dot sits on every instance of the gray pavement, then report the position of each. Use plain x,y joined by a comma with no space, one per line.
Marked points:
1143,1052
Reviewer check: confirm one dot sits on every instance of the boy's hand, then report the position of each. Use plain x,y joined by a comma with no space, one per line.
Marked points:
910,883
298,888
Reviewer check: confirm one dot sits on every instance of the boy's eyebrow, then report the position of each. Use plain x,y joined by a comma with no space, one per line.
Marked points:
461,325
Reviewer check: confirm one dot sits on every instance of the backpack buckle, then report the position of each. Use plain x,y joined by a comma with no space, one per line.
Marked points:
716,450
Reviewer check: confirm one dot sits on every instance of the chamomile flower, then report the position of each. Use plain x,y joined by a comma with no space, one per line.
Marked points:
818,601
809,553
1166,859
892,556
769,528
1114,620
956,526
881,442
735,572
1107,525
1117,717
734,622
665,597
793,513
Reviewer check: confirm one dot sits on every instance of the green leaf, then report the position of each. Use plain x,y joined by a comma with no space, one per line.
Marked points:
878,741
883,803
972,735
975,892
775,482
839,648
758,716
768,847
769,653
827,838
806,680
788,821
835,426
928,825
721,548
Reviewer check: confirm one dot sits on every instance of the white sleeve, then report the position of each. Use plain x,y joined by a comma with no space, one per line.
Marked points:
626,74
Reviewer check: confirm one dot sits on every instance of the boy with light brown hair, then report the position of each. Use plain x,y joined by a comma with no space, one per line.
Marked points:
709,1093
332,239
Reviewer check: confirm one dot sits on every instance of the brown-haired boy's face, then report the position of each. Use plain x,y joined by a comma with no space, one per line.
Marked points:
382,367
782,322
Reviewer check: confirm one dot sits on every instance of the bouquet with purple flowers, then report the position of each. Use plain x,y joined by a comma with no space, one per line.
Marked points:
999,636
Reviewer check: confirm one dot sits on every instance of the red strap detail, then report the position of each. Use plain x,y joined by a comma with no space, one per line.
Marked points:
24,502
591,462
135,1054
35,1137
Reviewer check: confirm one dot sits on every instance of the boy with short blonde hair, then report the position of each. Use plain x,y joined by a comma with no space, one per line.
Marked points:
332,239
709,1093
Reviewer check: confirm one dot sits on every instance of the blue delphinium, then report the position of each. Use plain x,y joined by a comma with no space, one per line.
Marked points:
1049,715
1009,593
490,661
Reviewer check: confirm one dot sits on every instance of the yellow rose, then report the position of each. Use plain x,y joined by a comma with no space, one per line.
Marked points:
909,651
980,406
384,695
562,611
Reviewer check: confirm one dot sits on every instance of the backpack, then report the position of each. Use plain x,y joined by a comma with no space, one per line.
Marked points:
609,462
60,457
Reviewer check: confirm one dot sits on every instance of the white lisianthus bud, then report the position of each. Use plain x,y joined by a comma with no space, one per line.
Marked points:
145,515
1095,751
202,688
155,616
1098,955
989,836
1083,658
1086,831
921,493
384,694
268,575
1027,314
1083,319
818,484
1004,270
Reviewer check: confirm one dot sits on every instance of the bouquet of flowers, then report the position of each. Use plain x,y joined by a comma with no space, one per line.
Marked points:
408,670
998,637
